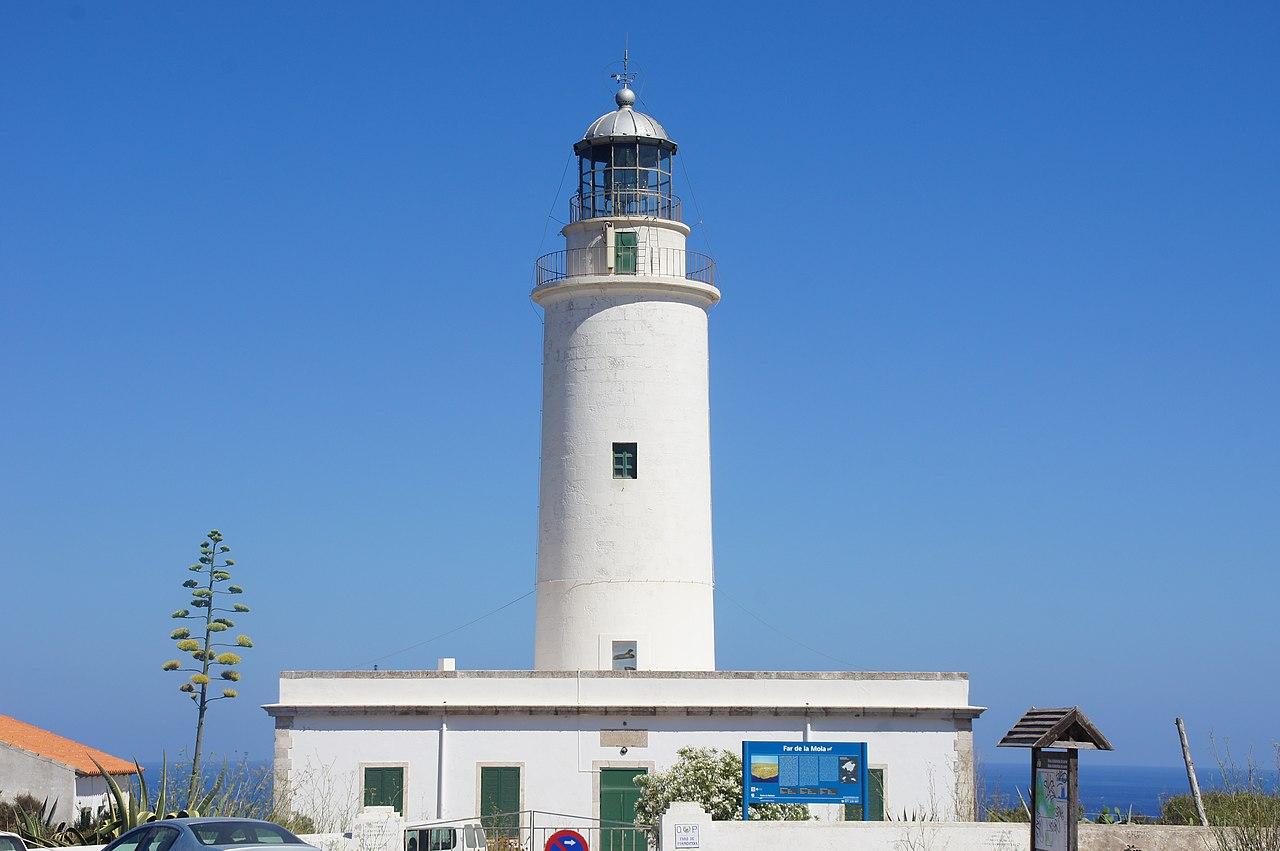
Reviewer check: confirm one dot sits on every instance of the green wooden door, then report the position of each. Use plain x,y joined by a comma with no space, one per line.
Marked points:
500,801
618,797
625,251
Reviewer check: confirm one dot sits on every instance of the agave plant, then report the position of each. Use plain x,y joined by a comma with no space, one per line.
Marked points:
39,829
127,810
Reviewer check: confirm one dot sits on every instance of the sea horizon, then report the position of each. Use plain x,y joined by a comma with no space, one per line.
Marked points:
1142,788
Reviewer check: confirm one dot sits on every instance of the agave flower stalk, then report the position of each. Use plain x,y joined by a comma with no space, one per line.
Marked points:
213,568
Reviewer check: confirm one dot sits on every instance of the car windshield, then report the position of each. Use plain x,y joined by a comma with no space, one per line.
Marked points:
243,833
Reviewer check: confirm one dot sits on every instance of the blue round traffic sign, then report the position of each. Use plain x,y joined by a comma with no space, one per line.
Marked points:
566,840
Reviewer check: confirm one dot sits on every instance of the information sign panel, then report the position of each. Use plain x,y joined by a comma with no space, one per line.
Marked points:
803,773
1052,800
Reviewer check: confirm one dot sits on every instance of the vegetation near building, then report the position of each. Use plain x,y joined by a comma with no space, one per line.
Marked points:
711,777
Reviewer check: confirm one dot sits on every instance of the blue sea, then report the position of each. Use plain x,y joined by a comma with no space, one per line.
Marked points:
1122,786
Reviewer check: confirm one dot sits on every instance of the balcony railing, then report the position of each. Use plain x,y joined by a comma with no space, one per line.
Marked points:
627,260
644,203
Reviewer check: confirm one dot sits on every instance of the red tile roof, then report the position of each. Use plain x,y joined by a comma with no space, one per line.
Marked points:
28,737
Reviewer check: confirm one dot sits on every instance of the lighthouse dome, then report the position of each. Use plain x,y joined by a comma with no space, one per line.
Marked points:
625,124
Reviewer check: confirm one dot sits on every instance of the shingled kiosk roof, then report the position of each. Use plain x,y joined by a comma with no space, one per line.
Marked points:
1065,727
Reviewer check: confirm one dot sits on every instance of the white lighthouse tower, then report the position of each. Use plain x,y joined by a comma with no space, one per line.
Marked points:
625,573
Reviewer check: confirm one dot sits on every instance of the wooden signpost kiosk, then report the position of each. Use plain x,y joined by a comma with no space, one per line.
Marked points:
1056,737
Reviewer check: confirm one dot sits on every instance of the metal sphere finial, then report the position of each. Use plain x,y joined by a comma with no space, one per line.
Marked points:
625,97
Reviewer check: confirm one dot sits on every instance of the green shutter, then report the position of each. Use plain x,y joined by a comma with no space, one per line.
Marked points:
875,794
500,800
618,797
625,253
625,461
384,787
874,798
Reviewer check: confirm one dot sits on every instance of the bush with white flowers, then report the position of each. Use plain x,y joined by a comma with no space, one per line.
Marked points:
711,777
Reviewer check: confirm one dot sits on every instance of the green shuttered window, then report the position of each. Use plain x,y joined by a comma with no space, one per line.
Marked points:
384,787
625,251
625,461
875,799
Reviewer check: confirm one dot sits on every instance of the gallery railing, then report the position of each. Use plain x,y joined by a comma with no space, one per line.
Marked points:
652,261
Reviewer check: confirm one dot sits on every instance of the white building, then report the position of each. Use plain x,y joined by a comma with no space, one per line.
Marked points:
40,763
624,647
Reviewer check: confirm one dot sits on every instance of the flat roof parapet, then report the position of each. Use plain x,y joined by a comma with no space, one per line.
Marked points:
613,692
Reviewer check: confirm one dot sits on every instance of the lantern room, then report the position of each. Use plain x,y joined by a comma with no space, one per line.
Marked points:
624,166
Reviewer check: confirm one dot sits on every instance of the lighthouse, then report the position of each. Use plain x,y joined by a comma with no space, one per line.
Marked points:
625,571
625,668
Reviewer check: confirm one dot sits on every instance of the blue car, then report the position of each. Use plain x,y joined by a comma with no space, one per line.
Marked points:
208,834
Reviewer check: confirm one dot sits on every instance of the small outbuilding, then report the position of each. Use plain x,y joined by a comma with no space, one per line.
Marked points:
37,762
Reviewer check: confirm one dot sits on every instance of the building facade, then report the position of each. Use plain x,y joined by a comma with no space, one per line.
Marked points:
624,673
429,743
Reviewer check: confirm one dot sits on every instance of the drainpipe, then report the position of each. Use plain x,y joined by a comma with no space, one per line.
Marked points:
808,728
444,728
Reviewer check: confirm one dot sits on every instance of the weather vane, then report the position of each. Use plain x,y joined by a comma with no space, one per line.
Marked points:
626,78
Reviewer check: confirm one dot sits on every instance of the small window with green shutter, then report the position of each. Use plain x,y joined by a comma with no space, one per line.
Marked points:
384,787
875,799
625,252
624,461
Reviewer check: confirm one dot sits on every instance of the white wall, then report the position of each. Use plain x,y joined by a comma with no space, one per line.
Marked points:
656,232
561,755
25,772
897,836
903,692
91,792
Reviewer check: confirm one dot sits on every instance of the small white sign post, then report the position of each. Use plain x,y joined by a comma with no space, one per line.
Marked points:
688,836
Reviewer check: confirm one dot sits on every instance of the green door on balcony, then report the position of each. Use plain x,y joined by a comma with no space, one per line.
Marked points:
625,253
618,797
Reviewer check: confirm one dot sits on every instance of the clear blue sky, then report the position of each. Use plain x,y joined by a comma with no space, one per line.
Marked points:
994,379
